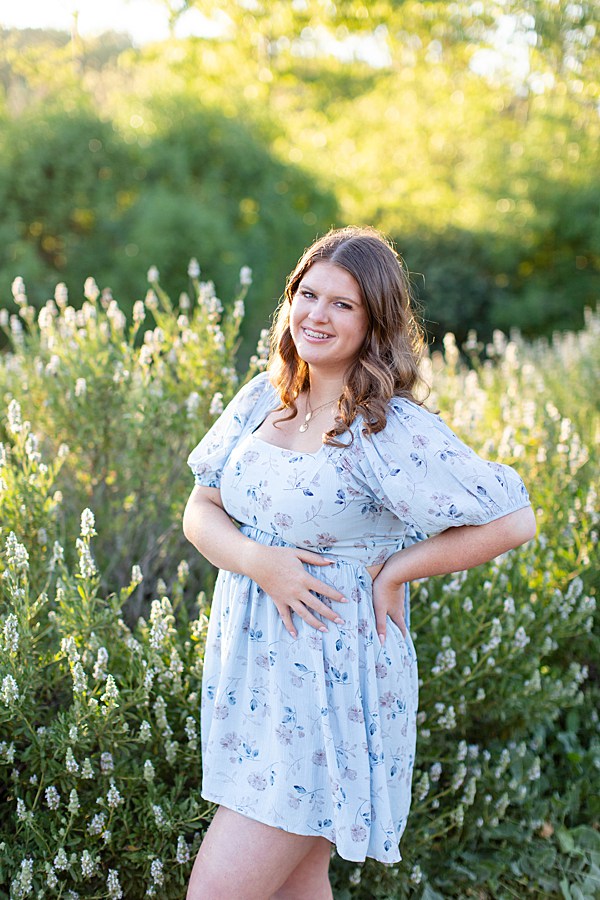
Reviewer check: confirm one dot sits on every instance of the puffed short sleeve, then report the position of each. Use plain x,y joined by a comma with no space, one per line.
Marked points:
208,458
420,470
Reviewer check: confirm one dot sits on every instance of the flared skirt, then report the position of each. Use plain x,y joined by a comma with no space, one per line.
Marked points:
314,735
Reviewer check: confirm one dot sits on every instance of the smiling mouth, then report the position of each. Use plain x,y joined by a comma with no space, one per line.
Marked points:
316,335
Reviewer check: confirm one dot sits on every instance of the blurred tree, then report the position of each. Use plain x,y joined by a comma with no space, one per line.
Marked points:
463,130
62,177
175,9
80,198
566,36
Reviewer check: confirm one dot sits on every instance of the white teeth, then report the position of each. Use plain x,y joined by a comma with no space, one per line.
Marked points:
315,334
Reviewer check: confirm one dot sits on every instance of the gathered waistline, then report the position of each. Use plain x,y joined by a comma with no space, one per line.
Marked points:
358,565
250,530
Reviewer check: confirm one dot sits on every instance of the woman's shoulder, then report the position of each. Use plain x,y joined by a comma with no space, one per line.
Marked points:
243,412
256,385
253,391
402,414
406,406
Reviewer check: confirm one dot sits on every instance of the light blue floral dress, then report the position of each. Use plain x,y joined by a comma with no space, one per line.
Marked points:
317,735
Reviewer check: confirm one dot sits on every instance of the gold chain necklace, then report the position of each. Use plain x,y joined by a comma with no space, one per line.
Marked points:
311,412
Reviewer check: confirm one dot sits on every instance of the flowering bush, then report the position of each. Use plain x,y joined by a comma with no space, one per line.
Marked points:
127,400
99,743
98,723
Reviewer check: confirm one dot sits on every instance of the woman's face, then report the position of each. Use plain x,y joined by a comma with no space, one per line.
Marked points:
328,319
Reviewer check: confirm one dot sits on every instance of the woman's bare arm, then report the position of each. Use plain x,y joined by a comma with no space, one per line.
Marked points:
207,526
279,571
453,550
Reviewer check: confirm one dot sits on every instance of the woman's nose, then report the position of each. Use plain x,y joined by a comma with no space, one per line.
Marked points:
318,311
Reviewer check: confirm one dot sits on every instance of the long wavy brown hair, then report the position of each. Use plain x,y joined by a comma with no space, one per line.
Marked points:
388,363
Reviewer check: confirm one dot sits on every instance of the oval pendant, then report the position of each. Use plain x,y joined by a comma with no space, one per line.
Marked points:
303,427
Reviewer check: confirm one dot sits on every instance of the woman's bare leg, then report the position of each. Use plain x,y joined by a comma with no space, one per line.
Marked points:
310,878
247,860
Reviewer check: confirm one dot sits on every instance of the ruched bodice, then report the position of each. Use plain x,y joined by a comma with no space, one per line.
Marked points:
309,500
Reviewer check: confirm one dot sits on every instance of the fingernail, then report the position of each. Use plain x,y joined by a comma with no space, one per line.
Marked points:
338,621
322,628
343,600
294,634
382,639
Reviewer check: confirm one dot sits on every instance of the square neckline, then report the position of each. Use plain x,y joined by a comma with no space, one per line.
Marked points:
257,437
262,440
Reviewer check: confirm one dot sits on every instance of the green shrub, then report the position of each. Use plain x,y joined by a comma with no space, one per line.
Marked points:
127,401
537,282
98,723
80,194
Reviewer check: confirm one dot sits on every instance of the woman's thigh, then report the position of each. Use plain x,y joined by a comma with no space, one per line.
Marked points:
310,878
245,859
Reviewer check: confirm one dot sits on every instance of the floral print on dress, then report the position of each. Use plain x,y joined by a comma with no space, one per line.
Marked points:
318,735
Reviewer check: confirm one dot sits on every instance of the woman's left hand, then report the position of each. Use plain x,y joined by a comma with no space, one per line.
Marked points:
388,600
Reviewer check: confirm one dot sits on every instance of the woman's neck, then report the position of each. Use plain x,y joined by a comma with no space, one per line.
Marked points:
324,388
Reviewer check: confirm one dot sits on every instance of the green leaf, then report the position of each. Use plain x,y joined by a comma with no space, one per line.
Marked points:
430,894
463,870
586,838
564,886
565,840
578,894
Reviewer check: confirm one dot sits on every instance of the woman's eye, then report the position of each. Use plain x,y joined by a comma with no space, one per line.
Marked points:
307,294
343,305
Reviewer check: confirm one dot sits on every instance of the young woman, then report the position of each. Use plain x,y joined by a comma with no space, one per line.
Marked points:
345,489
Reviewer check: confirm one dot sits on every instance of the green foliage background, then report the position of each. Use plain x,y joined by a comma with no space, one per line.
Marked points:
468,132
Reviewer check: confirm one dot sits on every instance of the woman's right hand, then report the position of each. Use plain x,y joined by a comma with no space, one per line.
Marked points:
280,572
